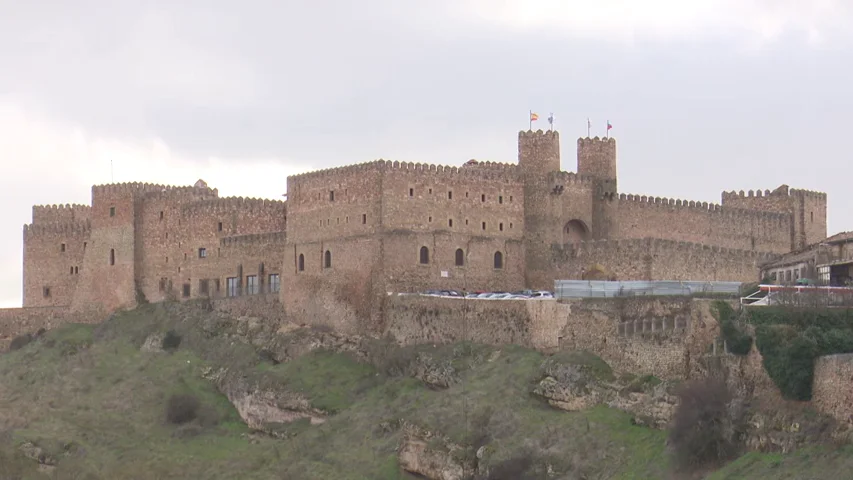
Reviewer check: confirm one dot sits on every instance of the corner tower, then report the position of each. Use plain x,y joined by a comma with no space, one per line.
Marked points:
597,160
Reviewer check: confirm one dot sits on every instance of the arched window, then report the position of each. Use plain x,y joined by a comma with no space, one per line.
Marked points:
327,259
460,257
112,256
301,263
424,255
499,260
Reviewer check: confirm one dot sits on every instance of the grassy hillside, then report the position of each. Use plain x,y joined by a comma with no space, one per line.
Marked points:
95,406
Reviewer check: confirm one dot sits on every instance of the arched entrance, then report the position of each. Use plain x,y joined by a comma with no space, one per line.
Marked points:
575,231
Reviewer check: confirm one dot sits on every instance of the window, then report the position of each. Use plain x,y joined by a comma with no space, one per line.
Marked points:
161,214
62,247
219,226
251,284
501,227
364,219
450,223
466,221
112,256
460,257
510,225
483,197
466,194
411,192
202,253
449,195
301,263
484,225
186,290
430,191
185,256
45,291
84,245
510,199
76,270
327,259
500,199
232,286
812,215
275,283
72,271
216,285
424,255
331,195
499,260
203,286
112,211
429,220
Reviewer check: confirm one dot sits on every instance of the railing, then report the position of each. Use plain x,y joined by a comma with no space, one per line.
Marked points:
800,296
607,289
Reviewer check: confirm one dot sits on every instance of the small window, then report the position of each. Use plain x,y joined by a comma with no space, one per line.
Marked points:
484,225
460,257
161,214
331,195
424,255
510,199
84,245
466,194
301,263
499,260
483,197
76,270
216,285
45,291
450,223
251,284
112,256
72,271
219,226
327,259
411,192
112,211
62,247
186,290
812,214
429,219
430,191
185,256
510,225
275,283
449,195
500,199
202,253
203,286
466,221
501,227
364,219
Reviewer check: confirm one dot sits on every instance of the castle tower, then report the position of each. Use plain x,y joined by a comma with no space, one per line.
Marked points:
539,152
597,160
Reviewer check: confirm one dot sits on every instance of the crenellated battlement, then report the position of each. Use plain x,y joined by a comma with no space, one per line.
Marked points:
338,171
137,188
538,134
704,206
57,228
782,191
596,141
254,239
61,213
229,204
492,170
672,245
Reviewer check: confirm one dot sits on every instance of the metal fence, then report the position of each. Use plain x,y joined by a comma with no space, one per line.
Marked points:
604,289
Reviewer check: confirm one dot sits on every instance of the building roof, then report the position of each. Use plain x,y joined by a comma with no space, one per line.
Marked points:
839,238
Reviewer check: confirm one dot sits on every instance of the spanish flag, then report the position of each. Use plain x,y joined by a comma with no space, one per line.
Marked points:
534,117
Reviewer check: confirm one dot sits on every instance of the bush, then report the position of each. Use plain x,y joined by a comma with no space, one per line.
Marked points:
703,431
182,408
20,342
171,341
738,342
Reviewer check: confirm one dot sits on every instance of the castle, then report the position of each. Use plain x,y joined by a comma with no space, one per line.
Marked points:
347,236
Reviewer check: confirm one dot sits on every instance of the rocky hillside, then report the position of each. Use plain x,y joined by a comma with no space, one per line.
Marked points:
170,391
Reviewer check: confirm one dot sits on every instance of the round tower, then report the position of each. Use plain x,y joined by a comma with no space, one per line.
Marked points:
597,160
539,152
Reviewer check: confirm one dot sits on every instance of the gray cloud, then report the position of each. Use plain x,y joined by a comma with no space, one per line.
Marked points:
333,82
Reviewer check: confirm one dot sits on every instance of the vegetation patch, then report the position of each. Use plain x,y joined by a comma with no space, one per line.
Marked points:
790,340
737,341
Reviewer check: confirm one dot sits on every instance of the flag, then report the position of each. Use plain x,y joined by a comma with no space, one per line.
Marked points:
609,126
533,117
551,119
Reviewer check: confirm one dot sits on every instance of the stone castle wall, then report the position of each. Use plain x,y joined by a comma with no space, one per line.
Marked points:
654,259
806,208
20,321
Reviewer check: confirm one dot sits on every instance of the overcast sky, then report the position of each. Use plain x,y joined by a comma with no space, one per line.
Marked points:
703,95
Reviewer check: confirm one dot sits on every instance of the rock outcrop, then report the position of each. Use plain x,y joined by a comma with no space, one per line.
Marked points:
433,456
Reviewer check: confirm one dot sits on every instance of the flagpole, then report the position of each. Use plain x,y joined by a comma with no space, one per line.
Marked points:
530,119
588,127
607,129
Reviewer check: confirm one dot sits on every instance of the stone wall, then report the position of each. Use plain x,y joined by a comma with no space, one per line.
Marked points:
266,307
832,388
653,259
18,321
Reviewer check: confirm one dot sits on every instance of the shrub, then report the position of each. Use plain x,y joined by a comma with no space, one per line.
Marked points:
738,342
182,408
20,342
171,341
703,431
